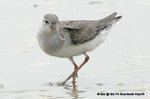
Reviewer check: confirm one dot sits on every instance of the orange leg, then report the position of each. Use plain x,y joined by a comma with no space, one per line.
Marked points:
85,61
74,75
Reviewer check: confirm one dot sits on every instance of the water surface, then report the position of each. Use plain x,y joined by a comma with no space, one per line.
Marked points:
121,64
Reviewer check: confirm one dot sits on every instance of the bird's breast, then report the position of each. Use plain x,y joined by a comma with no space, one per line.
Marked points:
50,45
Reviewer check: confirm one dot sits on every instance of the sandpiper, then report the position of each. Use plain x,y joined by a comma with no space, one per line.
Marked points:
66,39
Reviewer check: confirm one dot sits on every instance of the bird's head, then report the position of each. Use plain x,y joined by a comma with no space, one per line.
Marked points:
50,21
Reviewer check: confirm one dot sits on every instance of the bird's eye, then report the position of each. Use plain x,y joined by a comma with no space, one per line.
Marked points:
46,22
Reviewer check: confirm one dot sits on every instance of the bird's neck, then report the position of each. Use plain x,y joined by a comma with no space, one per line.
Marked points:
55,30
50,41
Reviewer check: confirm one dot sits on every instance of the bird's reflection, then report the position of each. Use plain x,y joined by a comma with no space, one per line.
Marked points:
72,90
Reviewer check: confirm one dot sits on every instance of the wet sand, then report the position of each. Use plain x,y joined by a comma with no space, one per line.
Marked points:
120,65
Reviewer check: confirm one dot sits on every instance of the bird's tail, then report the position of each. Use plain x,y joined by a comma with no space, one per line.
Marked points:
108,22
110,18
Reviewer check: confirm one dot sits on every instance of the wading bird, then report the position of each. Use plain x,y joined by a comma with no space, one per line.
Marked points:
66,39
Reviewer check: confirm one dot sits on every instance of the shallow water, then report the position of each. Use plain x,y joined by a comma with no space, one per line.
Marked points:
120,64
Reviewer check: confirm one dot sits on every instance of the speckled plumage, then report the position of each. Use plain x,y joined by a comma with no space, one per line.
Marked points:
66,39
64,36
85,30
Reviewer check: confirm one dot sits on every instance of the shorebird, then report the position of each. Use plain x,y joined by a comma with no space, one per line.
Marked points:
66,39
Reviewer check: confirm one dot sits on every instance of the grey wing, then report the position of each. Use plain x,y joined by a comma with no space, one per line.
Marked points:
81,31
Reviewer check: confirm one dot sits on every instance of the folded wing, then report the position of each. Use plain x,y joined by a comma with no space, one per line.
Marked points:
82,31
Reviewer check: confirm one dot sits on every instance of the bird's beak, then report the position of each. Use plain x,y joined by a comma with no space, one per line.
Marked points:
51,28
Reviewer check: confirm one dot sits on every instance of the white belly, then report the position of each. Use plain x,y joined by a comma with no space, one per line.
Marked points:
74,50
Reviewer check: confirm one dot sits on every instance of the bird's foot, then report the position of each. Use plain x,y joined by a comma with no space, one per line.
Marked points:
74,75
